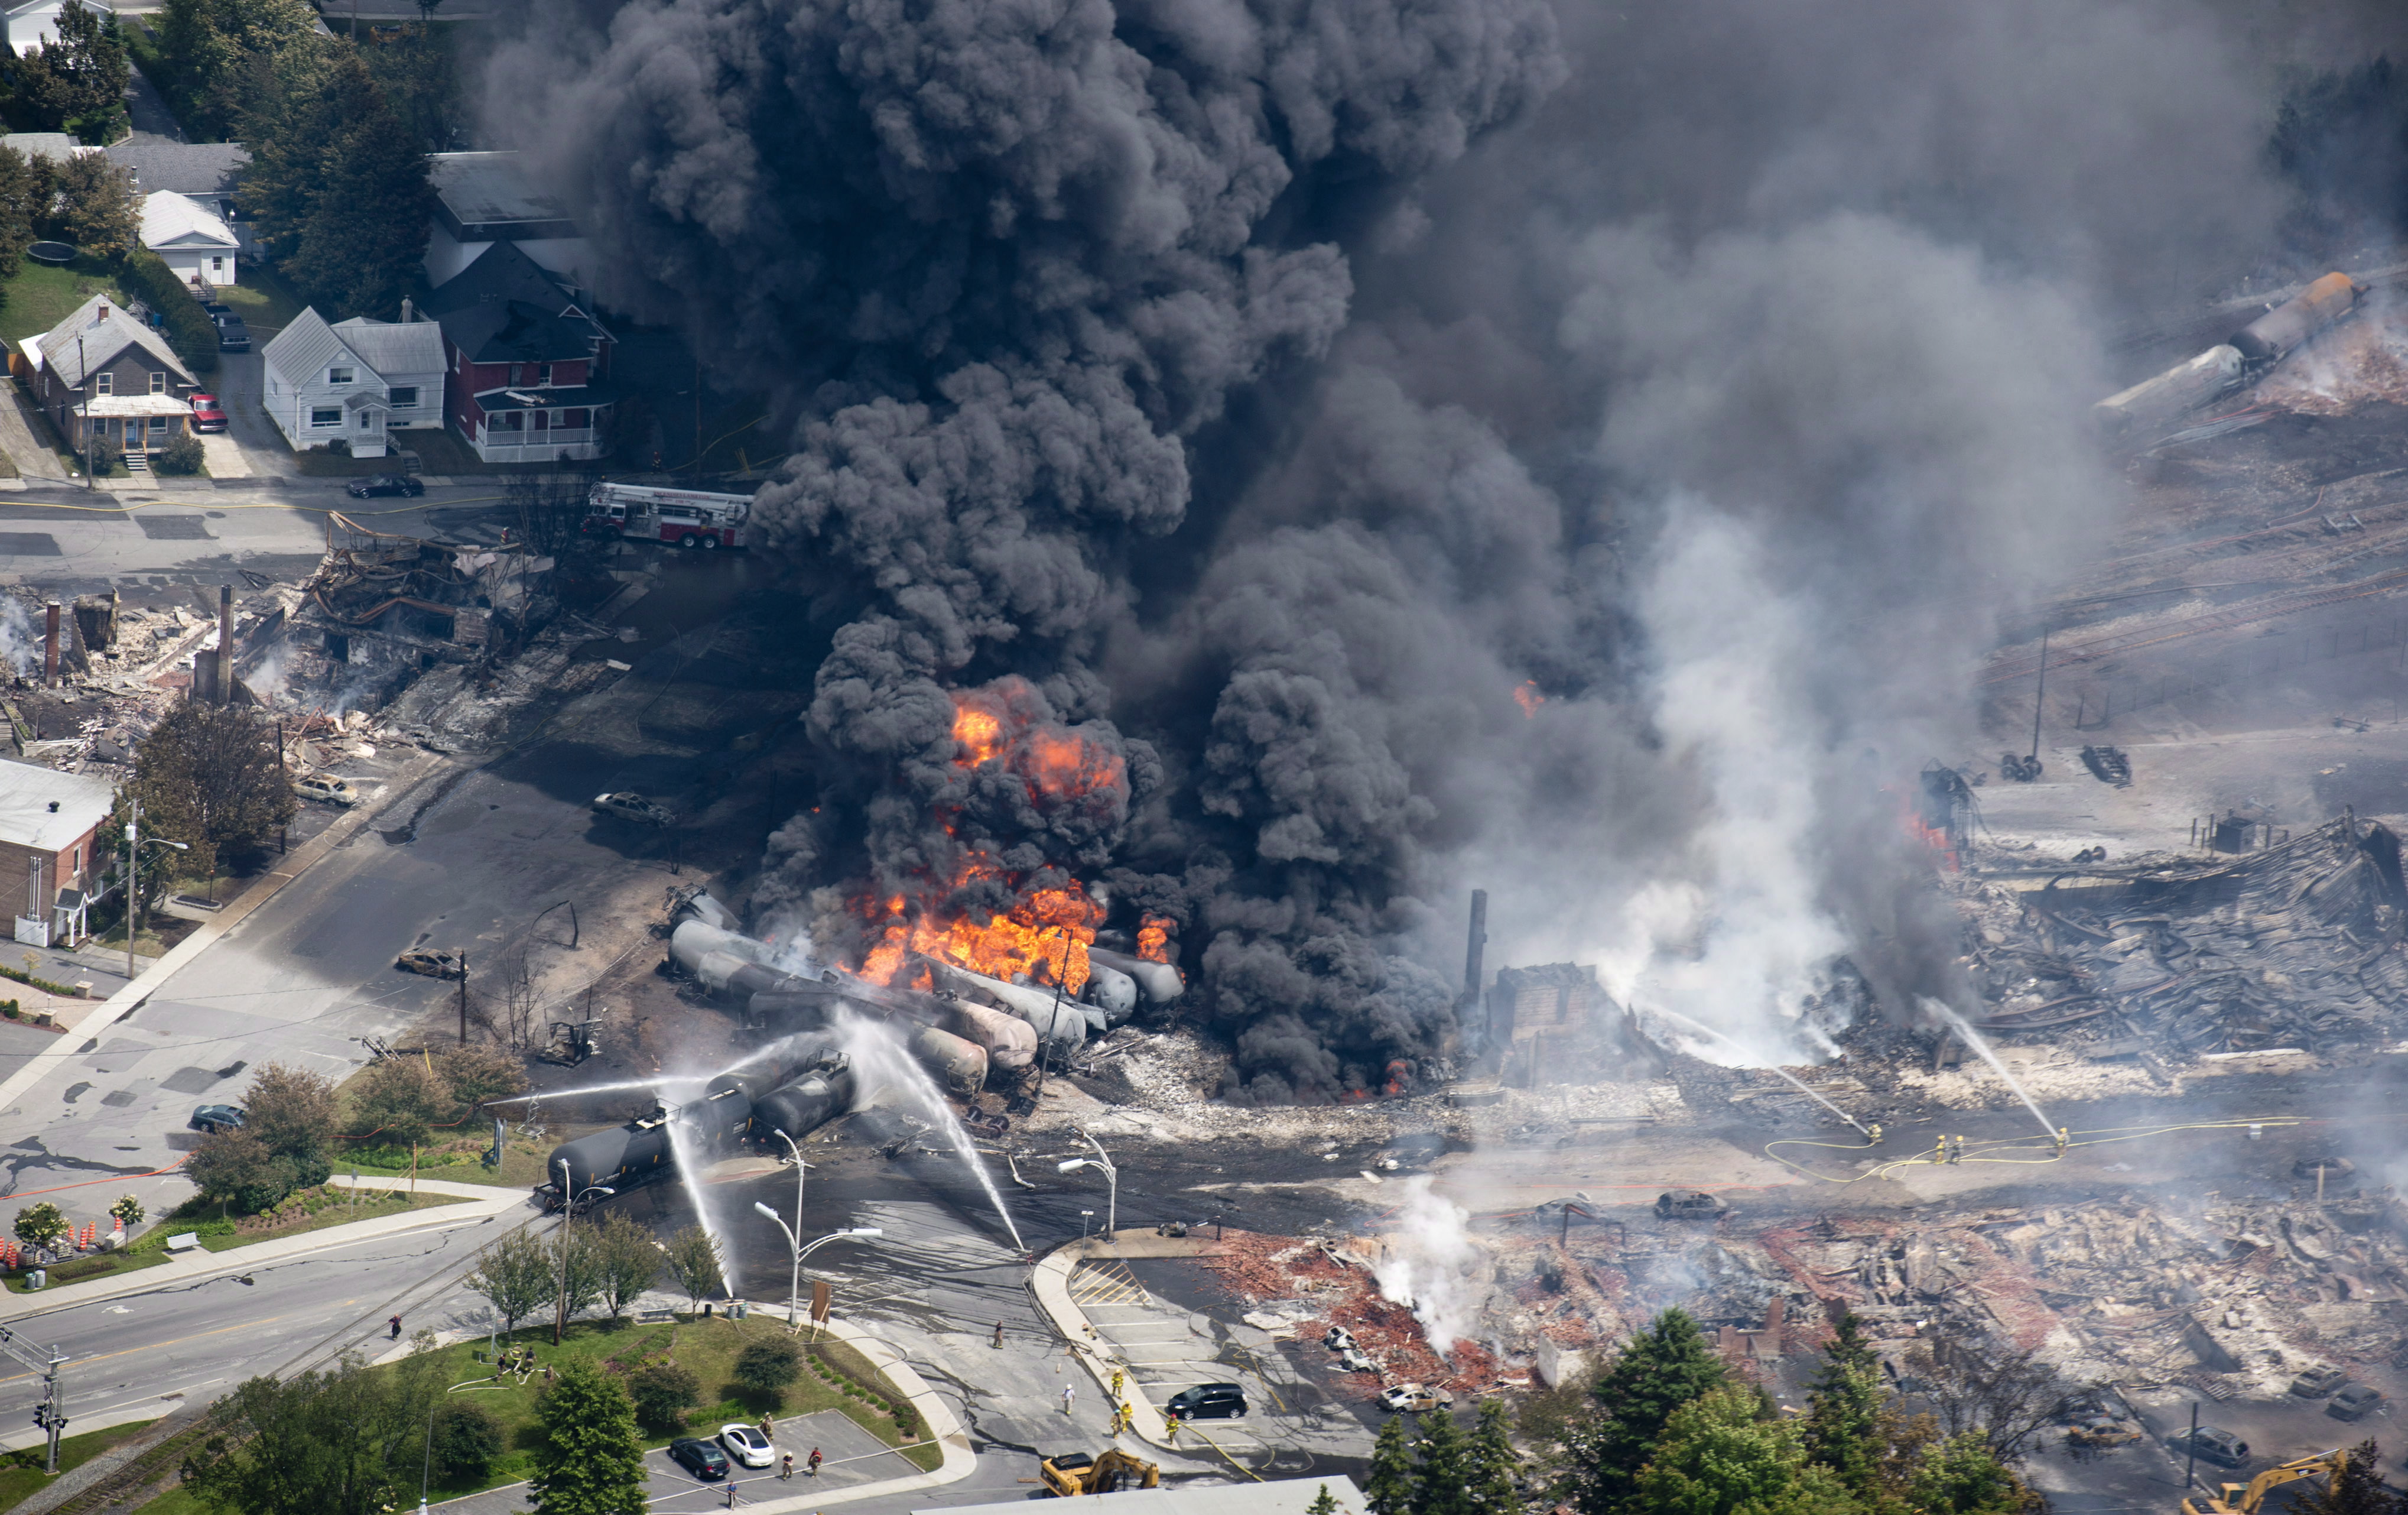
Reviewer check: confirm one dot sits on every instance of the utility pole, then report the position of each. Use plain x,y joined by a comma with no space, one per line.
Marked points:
463,999
132,887
2040,690
567,1215
49,1415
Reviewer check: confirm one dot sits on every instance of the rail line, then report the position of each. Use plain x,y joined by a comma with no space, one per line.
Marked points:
2233,617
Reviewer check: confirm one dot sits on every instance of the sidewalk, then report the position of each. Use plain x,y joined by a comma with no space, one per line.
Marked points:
108,1012
193,1266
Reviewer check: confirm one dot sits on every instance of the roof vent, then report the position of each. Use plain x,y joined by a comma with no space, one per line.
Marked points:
54,807
408,315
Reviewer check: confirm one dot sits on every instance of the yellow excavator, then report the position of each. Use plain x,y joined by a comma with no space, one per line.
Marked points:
2244,1499
1076,1473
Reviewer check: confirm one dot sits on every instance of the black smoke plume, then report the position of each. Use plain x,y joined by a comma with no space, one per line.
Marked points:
1424,444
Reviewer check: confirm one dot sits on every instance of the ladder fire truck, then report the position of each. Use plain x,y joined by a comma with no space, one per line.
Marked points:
686,517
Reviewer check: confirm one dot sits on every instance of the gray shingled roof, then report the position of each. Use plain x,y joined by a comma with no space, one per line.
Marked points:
103,340
183,168
392,347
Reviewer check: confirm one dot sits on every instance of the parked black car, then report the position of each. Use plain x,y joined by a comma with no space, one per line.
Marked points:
1206,1402
232,336
216,1118
385,484
702,1459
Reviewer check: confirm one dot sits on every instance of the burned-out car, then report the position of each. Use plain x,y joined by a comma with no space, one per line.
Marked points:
1689,1205
431,963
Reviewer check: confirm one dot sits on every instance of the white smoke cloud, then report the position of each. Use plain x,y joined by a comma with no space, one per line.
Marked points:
1430,1265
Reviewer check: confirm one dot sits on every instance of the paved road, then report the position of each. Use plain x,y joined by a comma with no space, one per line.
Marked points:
136,1356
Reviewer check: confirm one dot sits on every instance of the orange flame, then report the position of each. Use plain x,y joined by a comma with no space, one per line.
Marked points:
1530,698
1153,939
1044,936
979,733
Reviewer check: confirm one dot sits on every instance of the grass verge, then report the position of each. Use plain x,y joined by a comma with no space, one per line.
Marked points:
21,1472
311,1209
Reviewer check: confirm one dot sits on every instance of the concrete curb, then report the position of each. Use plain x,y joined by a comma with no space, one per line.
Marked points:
198,1267
1050,1282
124,1002
934,1413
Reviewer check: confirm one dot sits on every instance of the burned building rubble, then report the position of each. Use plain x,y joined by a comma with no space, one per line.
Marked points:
2291,947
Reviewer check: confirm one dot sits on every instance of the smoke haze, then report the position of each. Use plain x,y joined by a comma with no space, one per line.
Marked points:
1579,454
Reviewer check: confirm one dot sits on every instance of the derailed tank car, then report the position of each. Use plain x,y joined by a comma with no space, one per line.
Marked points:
811,1101
619,1158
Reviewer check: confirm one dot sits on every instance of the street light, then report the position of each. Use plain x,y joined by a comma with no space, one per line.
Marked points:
1103,1161
571,1194
802,1170
795,1244
134,844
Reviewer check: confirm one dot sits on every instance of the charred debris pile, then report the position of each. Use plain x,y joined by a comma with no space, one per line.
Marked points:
2292,947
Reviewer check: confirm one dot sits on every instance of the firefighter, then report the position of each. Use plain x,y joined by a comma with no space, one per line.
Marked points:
2064,1139
1873,1134
1118,1379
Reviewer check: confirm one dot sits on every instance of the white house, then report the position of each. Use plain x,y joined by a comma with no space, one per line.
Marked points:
189,238
36,22
354,380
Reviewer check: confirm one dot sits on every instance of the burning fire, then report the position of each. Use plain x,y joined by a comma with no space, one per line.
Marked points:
1530,698
1153,939
1044,935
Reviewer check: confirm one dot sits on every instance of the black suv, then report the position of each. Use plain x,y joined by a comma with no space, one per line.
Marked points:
700,1458
1206,1402
232,336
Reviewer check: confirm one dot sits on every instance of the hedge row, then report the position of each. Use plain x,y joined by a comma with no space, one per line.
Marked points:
189,329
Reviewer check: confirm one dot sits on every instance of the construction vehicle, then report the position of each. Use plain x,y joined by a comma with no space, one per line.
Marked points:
1077,1473
2245,1499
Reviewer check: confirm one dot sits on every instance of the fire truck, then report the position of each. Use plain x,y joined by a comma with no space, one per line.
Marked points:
687,517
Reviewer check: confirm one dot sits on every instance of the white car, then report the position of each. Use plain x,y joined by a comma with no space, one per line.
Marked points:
327,786
746,1445
1412,1398
628,806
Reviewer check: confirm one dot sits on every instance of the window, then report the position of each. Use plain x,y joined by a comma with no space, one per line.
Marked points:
326,415
158,425
543,373
405,397
216,265
158,384
339,376
518,373
103,383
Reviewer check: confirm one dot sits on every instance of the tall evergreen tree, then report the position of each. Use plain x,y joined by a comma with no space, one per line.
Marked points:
1665,1366
1723,1455
591,1461
2355,1488
1493,1461
337,187
1388,1487
77,82
1443,1484
1843,1410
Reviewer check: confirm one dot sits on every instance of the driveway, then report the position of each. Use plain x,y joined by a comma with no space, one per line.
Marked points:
250,443
34,459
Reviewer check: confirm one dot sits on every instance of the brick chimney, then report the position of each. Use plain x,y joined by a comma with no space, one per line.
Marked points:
50,642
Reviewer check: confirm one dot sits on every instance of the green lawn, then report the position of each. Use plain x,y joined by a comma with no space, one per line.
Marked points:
265,303
21,1472
39,296
705,1348
149,1249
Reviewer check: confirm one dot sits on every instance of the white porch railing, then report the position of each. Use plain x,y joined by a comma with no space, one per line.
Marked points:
532,446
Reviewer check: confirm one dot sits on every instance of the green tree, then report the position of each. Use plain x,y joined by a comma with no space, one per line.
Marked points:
694,1261
344,1441
22,203
2355,1488
77,82
99,209
237,1167
212,774
591,1461
514,1273
628,1257
291,1112
577,1268
664,1392
1493,1461
219,57
1664,1367
338,188
1843,1410
1324,1503
479,1071
1442,1486
41,1224
468,1442
1721,1454
395,1100
764,1367
1388,1486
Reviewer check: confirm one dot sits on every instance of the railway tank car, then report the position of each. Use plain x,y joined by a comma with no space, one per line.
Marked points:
808,1102
618,1159
2237,360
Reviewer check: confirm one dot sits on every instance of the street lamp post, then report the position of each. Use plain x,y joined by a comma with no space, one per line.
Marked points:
134,843
1112,1178
801,1170
800,1250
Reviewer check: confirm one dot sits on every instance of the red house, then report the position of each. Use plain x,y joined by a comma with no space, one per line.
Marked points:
527,365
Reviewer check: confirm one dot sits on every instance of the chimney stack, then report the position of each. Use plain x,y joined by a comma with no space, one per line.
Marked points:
50,642
1479,939
225,644
406,314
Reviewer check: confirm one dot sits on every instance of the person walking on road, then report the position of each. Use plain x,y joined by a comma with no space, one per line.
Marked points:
999,1335
786,1468
815,1461
396,1328
1069,1396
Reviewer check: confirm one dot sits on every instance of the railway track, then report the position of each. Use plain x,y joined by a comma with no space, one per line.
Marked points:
2027,666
